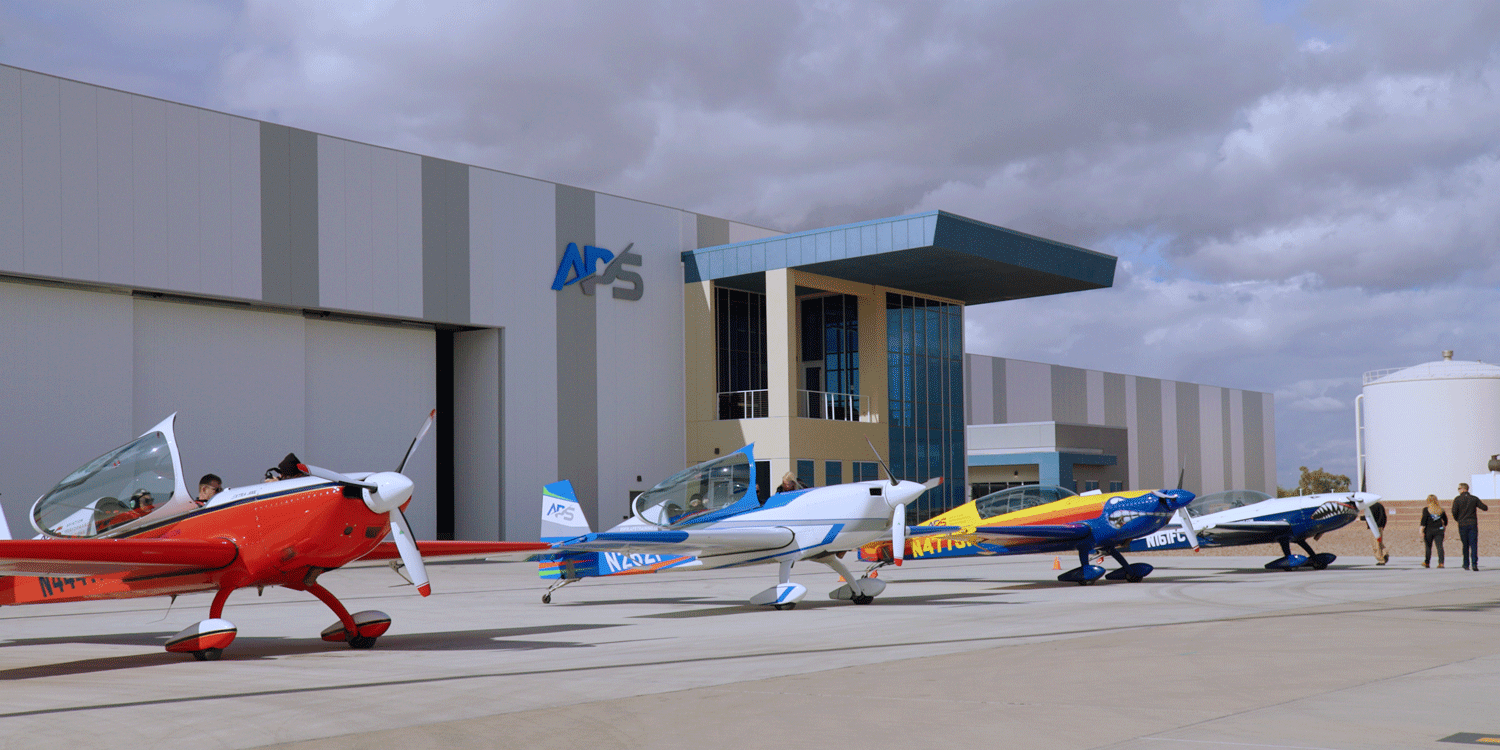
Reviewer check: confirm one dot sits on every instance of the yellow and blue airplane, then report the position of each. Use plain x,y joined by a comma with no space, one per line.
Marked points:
1030,519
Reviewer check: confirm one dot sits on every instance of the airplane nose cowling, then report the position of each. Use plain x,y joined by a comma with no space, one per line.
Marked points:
393,490
902,493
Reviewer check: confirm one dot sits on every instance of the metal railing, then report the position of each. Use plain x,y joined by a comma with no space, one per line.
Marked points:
744,404
823,405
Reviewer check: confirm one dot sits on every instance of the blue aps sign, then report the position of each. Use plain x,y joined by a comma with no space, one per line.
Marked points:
578,268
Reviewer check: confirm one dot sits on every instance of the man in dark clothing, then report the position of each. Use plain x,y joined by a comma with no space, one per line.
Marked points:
1466,509
1377,512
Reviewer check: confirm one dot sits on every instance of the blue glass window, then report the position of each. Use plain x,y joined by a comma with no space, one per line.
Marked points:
924,350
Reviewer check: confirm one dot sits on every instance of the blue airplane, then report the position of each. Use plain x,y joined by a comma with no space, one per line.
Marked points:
1240,517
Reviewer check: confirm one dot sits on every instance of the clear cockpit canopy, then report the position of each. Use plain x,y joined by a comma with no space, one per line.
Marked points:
1013,499
124,485
697,491
1225,500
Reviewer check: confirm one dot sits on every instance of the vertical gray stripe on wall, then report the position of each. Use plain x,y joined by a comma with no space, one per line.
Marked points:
577,363
968,399
997,386
1148,425
712,231
275,231
1114,399
445,240
1070,395
302,216
1189,439
1255,443
1228,443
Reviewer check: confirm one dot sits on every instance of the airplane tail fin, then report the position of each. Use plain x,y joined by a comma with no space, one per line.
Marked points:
562,516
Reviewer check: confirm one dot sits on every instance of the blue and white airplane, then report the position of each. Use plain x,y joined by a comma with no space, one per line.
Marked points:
709,516
1240,517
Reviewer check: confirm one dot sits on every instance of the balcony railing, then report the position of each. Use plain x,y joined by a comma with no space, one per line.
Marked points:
823,405
744,404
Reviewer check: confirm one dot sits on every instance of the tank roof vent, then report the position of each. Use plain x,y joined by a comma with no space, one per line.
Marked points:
1448,355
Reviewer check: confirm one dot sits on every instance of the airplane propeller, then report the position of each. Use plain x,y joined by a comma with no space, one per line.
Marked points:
898,510
385,492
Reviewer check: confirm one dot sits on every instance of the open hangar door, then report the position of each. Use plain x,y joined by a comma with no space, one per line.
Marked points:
249,386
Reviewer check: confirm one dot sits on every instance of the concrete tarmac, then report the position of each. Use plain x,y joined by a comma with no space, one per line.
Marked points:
1208,652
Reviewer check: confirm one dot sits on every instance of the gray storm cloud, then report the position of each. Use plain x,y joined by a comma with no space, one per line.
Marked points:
1298,192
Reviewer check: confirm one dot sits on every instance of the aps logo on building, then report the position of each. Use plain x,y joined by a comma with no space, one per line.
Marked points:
578,268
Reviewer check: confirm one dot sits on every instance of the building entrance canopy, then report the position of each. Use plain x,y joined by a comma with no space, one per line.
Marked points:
936,253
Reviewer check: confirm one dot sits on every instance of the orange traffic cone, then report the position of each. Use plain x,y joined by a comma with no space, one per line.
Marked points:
1057,563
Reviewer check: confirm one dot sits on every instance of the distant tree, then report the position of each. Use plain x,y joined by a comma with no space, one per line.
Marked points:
1316,482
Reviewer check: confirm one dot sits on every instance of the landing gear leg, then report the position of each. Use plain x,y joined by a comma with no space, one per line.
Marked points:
206,640
1287,561
547,597
1085,573
1317,560
785,594
1132,572
857,590
359,630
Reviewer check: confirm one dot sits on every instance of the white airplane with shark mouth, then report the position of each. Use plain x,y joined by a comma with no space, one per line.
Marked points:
709,516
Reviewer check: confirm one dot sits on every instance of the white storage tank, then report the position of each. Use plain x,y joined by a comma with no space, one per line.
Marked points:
1427,427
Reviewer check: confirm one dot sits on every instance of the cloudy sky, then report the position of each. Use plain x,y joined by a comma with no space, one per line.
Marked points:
1298,192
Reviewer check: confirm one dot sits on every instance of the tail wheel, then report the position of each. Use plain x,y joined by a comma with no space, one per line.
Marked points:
863,599
362,642
789,605
208,654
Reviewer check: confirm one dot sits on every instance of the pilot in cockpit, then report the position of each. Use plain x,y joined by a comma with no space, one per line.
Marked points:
142,502
209,486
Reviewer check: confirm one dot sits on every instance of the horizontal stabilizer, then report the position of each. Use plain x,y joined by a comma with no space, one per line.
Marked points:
1263,527
447,550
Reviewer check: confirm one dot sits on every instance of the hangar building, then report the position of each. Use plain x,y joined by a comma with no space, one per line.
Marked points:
283,290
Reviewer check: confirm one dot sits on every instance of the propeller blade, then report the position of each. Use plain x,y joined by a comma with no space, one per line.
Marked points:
1370,521
334,476
1187,527
411,557
898,534
933,482
410,449
881,461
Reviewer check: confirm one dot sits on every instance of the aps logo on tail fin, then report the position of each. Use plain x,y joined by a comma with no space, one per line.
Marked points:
562,516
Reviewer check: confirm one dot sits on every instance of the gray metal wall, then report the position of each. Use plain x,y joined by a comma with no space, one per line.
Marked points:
118,192
87,371
1220,438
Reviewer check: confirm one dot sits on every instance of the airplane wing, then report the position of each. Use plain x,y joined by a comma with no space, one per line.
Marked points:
696,542
1259,527
1058,532
84,557
446,550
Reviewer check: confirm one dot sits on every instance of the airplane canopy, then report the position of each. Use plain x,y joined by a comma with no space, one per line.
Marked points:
693,494
115,491
1225,500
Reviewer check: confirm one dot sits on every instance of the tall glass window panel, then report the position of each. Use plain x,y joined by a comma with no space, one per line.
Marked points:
740,339
924,350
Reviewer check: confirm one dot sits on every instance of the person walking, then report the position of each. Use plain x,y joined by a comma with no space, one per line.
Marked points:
1466,509
1434,522
1377,542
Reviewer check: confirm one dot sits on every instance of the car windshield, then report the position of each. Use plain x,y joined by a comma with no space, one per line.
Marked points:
125,484
696,491
1225,501
1019,498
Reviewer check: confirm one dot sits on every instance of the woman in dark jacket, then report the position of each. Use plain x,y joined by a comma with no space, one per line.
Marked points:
1434,521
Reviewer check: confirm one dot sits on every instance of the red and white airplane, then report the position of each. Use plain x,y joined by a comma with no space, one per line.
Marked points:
103,535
